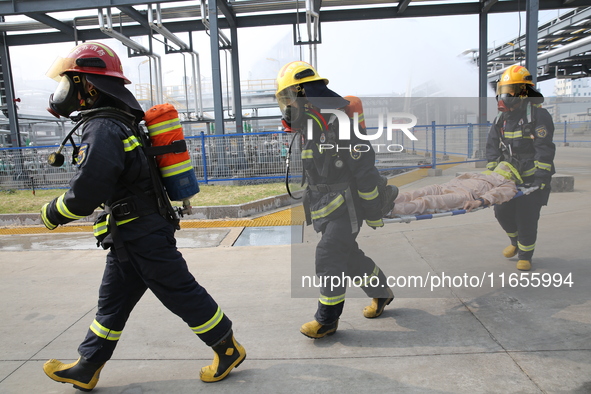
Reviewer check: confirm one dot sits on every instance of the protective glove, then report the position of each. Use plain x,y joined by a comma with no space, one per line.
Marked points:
388,194
539,183
44,218
375,223
528,190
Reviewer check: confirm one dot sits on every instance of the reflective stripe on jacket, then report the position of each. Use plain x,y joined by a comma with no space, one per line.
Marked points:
340,164
527,146
110,167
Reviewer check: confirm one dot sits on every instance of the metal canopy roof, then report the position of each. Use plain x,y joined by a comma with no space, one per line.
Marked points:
563,44
47,23
241,13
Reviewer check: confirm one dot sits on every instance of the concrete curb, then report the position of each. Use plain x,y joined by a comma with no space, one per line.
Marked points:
243,210
210,212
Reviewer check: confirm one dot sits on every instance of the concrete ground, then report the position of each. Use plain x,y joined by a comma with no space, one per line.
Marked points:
487,330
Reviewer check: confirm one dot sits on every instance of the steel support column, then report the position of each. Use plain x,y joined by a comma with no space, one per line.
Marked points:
15,135
482,59
236,79
9,88
531,38
482,82
230,15
216,72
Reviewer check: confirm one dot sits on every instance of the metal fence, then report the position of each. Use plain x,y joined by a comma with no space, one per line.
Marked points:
260,157
455,142
573,133
240,157
27,168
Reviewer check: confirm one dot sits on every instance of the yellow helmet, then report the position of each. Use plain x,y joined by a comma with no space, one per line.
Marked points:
290,89
515,85
298,86
295,73
514,80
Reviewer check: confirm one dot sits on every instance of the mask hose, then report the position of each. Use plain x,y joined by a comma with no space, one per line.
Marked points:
56,159
287,172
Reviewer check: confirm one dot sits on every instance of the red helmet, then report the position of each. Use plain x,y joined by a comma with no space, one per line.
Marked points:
96,64
89,58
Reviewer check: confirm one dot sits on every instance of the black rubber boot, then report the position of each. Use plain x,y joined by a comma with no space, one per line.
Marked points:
83,374
229,354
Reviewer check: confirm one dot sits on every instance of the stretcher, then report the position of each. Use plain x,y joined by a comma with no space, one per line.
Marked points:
522,191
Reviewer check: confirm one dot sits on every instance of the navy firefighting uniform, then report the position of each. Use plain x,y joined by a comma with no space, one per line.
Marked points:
342,192
524,138
112,168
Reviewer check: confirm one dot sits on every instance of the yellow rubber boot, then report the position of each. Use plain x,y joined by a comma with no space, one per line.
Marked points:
376,308
510,251
524,265
83,374
316,330
228,354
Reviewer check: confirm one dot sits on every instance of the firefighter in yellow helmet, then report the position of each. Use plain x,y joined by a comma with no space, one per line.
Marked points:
522,135
137,225
343,189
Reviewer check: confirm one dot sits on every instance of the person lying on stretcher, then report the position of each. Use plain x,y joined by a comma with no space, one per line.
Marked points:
467,191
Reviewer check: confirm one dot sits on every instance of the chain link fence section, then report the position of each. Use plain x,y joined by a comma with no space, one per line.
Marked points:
27,168
247,158
573,133
260,157
241,157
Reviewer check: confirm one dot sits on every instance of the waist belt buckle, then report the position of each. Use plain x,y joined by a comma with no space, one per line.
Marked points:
324,188
123,209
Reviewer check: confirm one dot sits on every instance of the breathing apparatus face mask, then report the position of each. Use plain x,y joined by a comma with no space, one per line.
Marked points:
292,106
64,100
510,97
69,96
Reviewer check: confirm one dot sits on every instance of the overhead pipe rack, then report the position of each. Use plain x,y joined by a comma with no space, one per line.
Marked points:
158,27
138,48
218,41
225,42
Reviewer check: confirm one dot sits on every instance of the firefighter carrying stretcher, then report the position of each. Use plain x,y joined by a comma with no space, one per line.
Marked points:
522,135
344,189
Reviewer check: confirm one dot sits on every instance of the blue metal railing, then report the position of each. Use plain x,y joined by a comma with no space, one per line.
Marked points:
260,156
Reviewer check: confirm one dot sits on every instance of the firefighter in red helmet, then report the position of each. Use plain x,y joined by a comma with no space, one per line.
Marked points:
522,136
344,188
137,226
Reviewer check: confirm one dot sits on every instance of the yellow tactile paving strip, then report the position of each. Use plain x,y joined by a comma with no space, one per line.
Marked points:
42,230
286,217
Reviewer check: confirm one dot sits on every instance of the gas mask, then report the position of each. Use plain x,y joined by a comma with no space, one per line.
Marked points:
294,114
69,96
510,97
508,103
292,106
